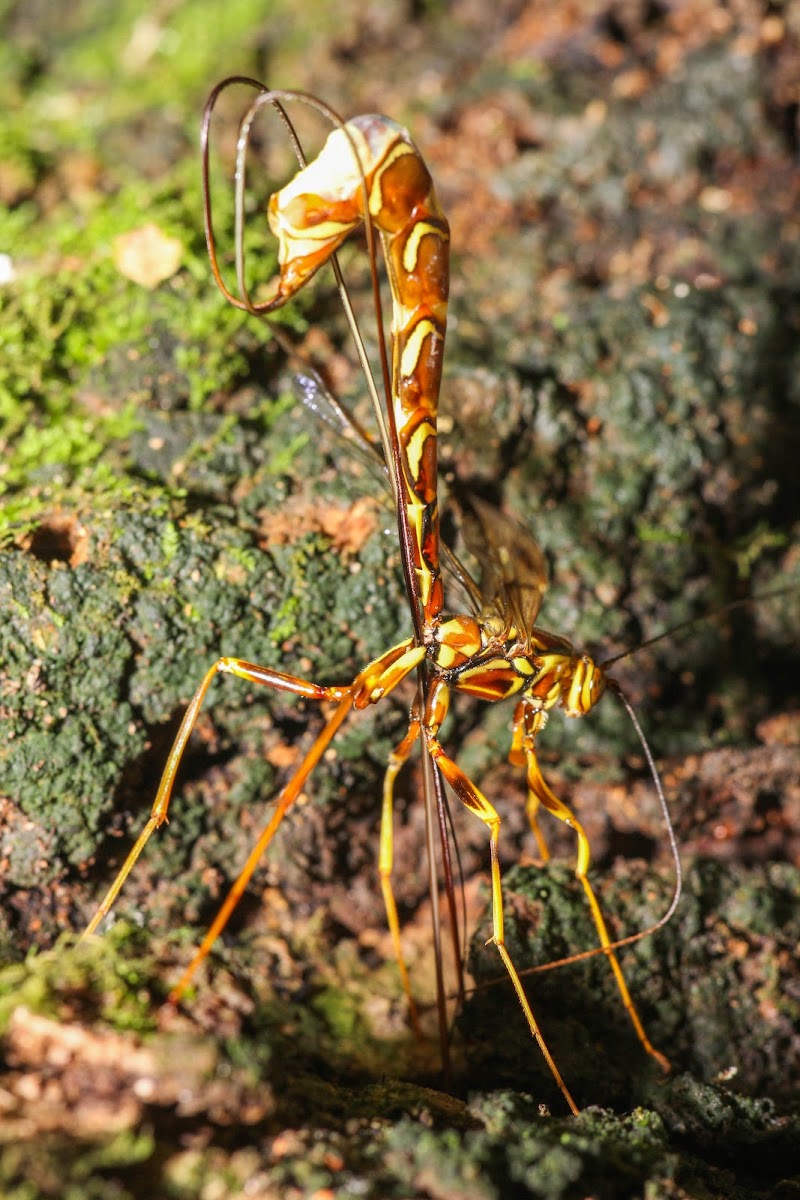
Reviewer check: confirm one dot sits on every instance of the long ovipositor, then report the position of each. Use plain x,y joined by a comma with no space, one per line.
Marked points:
374,157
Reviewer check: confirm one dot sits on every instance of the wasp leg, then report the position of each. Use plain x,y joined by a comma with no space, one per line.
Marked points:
538,787
158,813
516,756
371,685
473,799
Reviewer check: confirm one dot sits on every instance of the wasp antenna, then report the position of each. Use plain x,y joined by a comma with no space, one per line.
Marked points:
731,606
662,800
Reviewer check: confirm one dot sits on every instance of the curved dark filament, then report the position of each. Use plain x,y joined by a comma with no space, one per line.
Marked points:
275,98
205,131
332,412
522,571
485,538
245,303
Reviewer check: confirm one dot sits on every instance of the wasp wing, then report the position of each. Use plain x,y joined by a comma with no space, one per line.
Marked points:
308,386
514,574
310,389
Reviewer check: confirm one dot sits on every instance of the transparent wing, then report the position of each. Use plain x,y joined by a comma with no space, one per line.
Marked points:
310,389
514,573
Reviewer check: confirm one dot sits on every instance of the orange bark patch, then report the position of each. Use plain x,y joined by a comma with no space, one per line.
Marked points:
347,526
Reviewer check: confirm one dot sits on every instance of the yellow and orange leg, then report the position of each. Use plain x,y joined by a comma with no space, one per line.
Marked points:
374,682
548,800
370,686
473,799
516,756
158,813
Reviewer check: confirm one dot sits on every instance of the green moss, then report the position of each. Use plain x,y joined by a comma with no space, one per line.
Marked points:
679,979
106,980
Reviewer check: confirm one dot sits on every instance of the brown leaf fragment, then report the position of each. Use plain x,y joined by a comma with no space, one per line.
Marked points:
147,255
